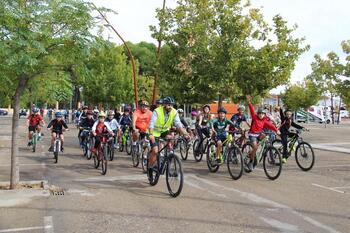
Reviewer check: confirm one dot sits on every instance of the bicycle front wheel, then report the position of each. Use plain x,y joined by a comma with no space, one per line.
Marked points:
104,160
144,162
197,152
246,149
128,145
272,163
56,150
174,176
211,158
235,162
183,149
135,156
305,156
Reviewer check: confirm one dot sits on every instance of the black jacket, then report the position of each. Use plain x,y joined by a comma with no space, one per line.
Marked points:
287,123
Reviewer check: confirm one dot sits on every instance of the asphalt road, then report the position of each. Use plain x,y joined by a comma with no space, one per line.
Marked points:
123,201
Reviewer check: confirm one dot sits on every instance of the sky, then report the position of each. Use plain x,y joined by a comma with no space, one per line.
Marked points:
323,23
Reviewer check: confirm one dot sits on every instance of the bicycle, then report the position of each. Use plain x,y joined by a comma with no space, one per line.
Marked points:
268,154
57,148
87,142
200,147
35,139
169,163
102,153
126,141
303,151
140,152
231,154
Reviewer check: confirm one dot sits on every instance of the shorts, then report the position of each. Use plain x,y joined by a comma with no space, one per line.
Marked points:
143,134
254,137
32,128
163,136
221,137
59,132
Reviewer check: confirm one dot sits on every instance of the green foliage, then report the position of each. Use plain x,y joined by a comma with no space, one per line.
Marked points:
213,48
301,96
145,54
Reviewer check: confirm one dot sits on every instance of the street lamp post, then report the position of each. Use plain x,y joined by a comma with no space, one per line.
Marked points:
129,52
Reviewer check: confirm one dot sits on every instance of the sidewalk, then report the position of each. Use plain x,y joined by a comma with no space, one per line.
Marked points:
331,147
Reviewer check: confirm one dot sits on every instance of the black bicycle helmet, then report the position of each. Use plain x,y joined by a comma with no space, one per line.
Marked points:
168,100
221,109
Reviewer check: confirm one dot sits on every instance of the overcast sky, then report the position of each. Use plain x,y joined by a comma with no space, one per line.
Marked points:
324,23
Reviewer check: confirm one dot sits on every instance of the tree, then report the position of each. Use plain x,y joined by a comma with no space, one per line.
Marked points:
301,96
34,34
326,75
214,49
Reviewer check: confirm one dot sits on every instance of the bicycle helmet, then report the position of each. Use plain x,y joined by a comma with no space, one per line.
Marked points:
110,113
194,113
89,112
159,101
206,106
96,111
35,110
221,109
101,114
168,100
180,110
58,114
144,103
85,107
241,108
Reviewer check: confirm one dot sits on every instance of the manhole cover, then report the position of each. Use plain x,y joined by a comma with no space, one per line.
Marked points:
56,191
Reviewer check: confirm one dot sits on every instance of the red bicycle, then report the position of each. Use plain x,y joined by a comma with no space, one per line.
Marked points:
102,153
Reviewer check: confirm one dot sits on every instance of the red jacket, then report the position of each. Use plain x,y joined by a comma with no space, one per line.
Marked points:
258,125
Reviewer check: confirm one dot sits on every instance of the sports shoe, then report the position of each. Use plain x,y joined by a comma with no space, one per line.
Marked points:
284,160
250,165
51,149
62,149
29,143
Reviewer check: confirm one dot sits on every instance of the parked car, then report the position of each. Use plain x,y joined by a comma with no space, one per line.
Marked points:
301,119
3,112
23,112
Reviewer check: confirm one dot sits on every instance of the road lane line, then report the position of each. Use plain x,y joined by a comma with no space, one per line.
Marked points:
28,164
22,229
113,178
328,188
282,226
258,199
48,224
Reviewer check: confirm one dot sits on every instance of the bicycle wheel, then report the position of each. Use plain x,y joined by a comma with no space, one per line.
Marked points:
235,162
56,150
197,150
174,175
88,149
135,155
183,149
128,145
111,151
96,161
104,160
153,176
246,149
144,162
211,158
272,163
305,156
34,141
121,147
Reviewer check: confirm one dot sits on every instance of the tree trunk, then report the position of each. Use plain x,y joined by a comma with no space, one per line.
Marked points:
339,110
57,106
23,80
332,109
220,101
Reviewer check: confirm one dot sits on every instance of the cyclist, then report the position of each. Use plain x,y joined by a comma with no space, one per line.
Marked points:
237,120
56,126
114,125
66,115
87,122
287,122
125,120
33,123
163,118
203,122
140,121
81,117
100,127
256,132
193,122
180,111
220,126
96,112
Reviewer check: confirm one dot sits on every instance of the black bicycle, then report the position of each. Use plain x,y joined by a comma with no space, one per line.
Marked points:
169,163
140,152
304,153
87,143
200,147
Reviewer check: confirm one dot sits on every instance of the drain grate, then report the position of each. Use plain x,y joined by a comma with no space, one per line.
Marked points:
57,193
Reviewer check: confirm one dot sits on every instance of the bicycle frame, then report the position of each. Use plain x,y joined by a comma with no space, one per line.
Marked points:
168,148
57,140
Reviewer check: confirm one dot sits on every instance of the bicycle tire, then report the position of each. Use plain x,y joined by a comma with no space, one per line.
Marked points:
168,175
197,153
88,150
128,146
212,167
183,149
270,156
34,141
144,160
135,156
104,160
153,176
298,158
246,148
55,153
96,161
234,159
111,152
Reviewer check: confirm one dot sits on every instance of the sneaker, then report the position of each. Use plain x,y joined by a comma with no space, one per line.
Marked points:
250,165
284,160
51,149
62,149
115,146
29,143
218,161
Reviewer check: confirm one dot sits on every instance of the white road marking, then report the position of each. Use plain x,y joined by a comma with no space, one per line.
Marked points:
282,226
341,187
28,164
81,192
22,229
331,148
257,199
114,178
331,166
48,224
328,188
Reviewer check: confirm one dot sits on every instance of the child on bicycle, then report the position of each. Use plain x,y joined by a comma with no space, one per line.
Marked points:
219,127
87,122
256,132
286,123
56,126
114,125
33,122
98,129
